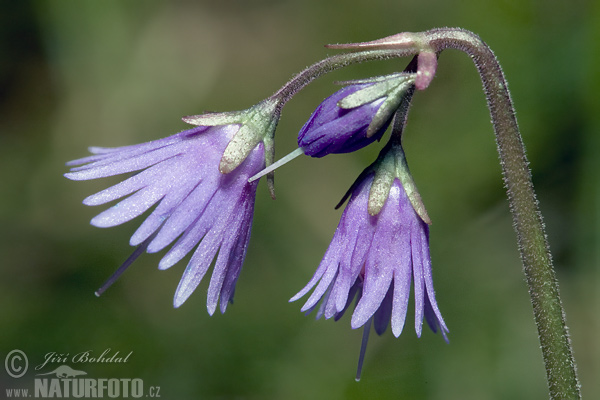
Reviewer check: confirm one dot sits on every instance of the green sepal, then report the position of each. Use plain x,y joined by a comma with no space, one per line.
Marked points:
403,173
270,159
390,165
391,88
373,79
382,183
257,124
381,87
214,118
389,106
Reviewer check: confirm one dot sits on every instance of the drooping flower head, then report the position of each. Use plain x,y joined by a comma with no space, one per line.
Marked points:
380,247
197,182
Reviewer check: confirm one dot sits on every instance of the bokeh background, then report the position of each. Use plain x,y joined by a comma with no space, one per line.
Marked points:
111,73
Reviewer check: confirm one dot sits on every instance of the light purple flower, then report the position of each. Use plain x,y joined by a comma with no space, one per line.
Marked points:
195,205
375,259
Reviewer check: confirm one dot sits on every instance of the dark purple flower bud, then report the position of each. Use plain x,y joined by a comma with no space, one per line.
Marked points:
354,117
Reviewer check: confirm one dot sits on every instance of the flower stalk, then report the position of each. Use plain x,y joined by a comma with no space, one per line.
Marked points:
528,222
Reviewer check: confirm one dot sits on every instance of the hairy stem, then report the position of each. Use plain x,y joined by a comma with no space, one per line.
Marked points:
332,63
533,245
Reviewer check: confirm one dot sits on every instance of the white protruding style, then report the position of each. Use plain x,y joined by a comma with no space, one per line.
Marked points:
277,164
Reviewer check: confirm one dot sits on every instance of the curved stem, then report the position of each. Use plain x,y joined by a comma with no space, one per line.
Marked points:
533,245
309,74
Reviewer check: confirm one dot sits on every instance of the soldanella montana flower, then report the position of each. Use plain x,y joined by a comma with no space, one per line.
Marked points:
380,247
197,182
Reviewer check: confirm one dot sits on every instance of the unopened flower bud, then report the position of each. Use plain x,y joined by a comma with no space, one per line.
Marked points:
354,116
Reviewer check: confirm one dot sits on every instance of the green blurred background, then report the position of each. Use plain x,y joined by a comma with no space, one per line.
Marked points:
110,73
